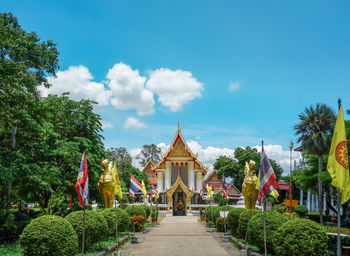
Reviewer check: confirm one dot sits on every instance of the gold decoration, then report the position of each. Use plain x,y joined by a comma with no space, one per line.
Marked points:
248,187
106,185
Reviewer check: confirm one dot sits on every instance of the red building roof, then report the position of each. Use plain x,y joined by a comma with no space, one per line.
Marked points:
283,185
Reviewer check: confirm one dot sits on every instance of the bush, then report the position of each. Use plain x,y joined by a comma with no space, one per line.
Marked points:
300,237
220,224
301,210
96,227
155,212
49,235
243,220
256,228
147,210
122,219
209,213
232,219
110,219
139,222
281,208
136,210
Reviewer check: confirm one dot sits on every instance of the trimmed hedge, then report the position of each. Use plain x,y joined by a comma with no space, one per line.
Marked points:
122,219
49,235
281,208
209,213
243,220
110,219
300,237
96,228
135,210
232,219
301,210
256,228
147,210
155,213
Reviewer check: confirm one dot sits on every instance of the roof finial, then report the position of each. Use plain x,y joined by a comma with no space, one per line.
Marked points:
178,125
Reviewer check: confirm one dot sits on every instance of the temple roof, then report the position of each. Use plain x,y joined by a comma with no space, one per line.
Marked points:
212,178
179,148
149,167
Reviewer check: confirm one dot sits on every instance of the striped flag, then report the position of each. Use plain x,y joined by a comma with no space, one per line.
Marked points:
82,185
268,182
134,186
201,193
154,192
192,192
224,189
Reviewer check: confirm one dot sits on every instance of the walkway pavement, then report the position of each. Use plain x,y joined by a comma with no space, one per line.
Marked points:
179,236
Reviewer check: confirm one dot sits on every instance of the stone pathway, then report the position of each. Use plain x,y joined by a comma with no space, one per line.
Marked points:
179,236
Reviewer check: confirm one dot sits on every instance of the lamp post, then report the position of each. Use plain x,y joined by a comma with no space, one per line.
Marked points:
290,182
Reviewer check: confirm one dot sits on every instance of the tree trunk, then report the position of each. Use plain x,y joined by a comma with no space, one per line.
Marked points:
320,194
9,182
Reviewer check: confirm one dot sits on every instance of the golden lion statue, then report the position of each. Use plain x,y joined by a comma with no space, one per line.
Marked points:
248,187
106,185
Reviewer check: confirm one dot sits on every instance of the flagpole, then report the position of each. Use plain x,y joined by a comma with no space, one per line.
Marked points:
116,220
151,211
265,225
83,243
339,253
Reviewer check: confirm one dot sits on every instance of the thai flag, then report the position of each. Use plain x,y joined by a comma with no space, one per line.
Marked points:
134,186
224,189
268,182
201,194
192,192
82,185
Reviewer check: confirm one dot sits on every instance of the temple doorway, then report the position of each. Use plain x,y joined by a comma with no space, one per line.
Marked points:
179,203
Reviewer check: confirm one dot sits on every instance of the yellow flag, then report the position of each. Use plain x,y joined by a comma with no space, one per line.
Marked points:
115,178
338,162
210,192
143,188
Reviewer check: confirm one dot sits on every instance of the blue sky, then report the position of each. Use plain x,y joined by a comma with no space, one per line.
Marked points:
277,56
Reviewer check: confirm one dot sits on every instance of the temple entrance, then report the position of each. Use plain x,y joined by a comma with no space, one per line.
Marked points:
179,203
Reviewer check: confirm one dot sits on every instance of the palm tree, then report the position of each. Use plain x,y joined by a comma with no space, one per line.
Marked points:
315,129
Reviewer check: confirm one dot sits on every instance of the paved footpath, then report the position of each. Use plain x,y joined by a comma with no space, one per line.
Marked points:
179,236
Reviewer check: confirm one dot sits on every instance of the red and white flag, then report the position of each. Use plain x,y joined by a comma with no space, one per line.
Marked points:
224,189
201,193
82,185
135,186
192,192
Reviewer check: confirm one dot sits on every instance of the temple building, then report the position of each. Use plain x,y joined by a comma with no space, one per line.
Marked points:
179,176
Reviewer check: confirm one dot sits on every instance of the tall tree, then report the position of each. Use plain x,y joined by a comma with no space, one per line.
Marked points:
25,62
234,168
149,152
315,130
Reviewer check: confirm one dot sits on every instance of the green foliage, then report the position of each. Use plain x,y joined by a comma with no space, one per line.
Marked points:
155,213
220,224
122,219
96,228
243,220
12,249
300,237
149,152
281,208
234,167
49,235
209,212
256,228
233,217
301,210
147,210
219,199
137,222
135,210
110,219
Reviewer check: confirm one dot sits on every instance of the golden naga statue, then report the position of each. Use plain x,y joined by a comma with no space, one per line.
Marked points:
248,187
105,184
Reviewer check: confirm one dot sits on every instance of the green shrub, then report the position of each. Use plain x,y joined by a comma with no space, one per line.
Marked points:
155,213
49,235
209,213
96,228
300,237
281,208
110,219
122,219
220,224
147,210
216,211
301,210
243,220
256,228
139,223
232,219
135,210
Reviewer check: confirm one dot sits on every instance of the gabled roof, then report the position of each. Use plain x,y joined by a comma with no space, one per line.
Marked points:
179,147
212,178
149,167
283,185
233,190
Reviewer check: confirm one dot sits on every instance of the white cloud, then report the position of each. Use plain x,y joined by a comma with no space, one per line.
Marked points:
234,86
106,125
133,123
174,88
77,80
282,157
128,90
